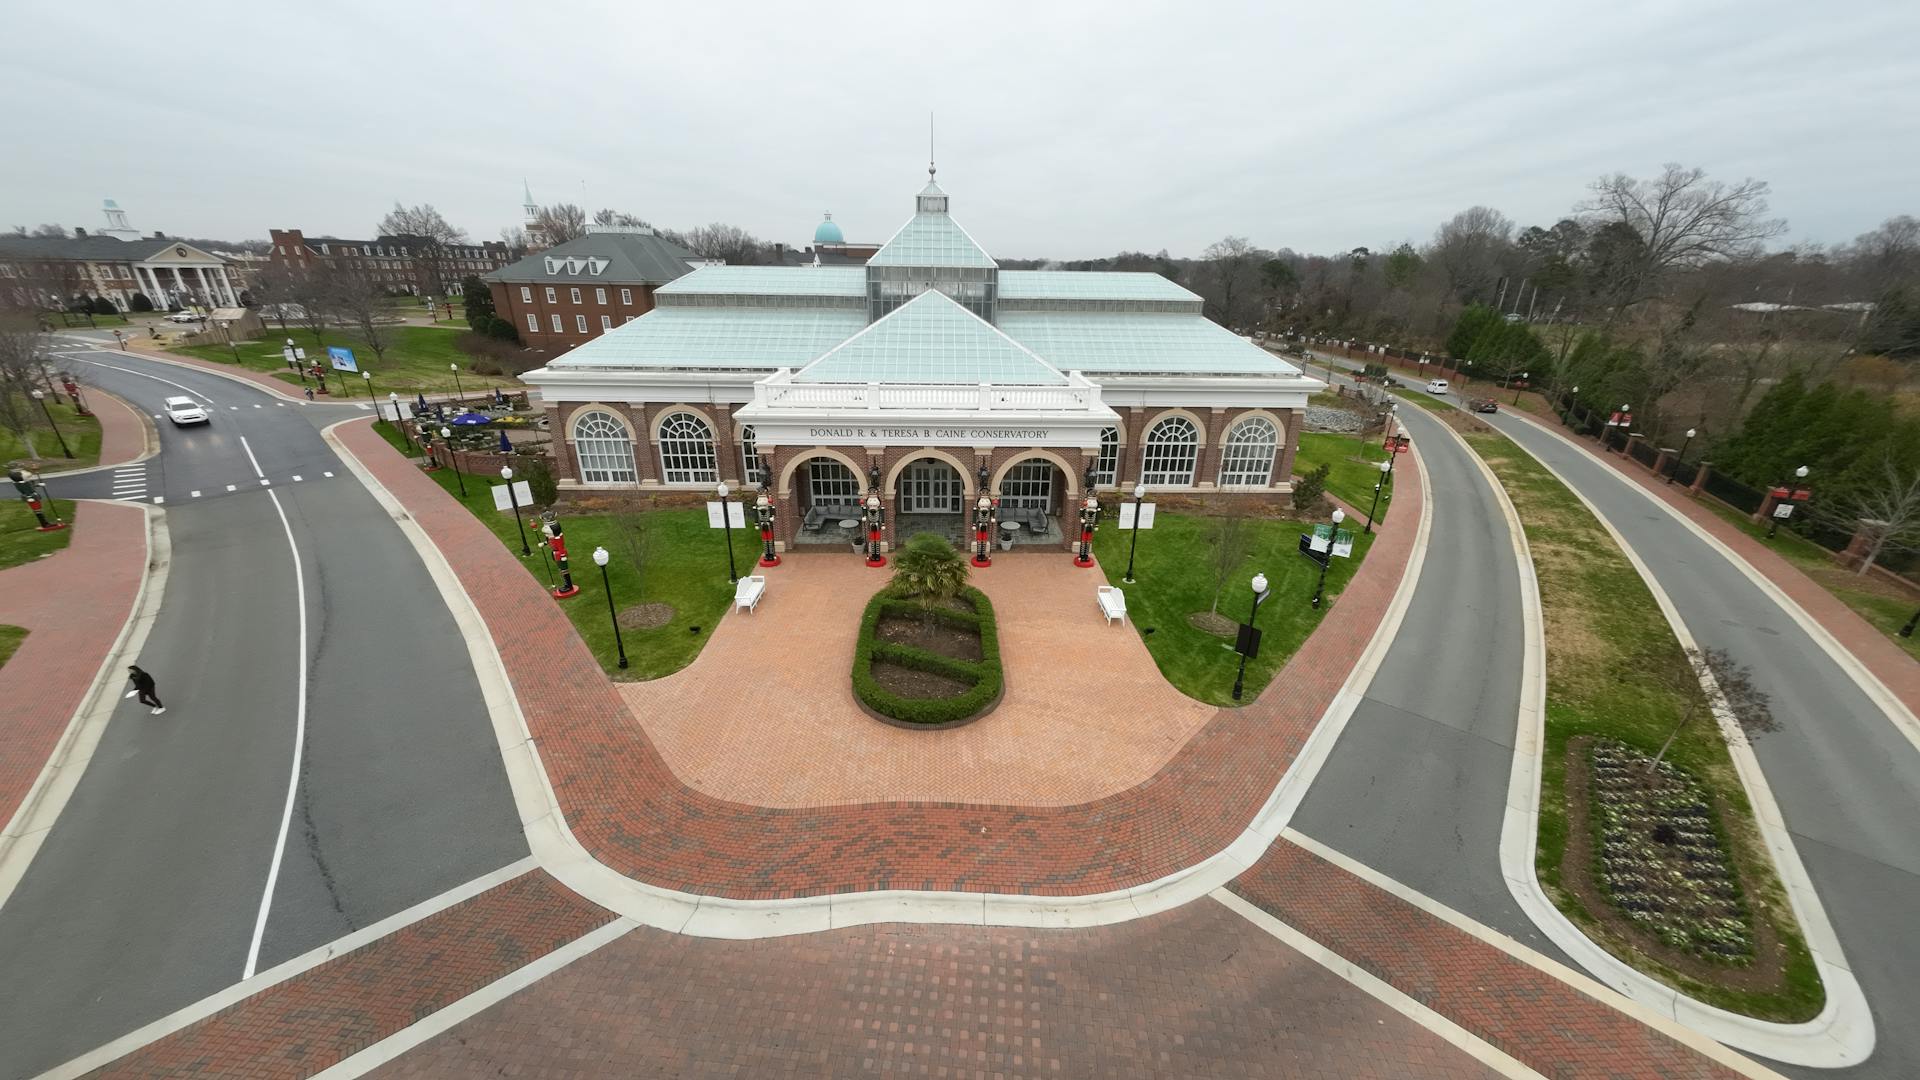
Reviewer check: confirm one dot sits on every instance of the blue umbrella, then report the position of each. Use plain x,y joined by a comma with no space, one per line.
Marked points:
423,402
471,419
505,446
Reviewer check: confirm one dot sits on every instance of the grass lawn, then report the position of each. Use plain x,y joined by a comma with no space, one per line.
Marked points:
21,541
10,639
1604,634
1882,603
1356,468
1173,581
686,568
82,434
417,360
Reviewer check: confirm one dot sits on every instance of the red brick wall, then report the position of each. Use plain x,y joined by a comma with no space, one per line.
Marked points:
507,303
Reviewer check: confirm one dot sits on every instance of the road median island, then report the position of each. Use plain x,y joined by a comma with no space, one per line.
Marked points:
1663,865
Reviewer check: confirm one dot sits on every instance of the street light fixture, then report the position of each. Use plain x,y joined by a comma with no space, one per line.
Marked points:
458,393
1799,474
1139,493
600,558
368,375
506,473
1518,385
1386,470
1681,458
733,576
41,397
1319,589
393,398
1259,584
446,441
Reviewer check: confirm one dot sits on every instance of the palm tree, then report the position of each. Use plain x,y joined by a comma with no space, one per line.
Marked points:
929,572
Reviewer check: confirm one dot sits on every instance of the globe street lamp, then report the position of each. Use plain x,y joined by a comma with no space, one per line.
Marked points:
368,376
1386,469
458,393
393,399
1338,517
1259,584
446,441
41,397
1518,385
733,576
1681,458
506,473
293,360
1139,493
600,558
1773,526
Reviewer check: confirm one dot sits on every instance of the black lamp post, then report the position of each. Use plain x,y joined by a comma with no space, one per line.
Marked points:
733,576
293,361
1517,385
458,393
1321,588
1681,458
368,376
1139,493
600,558
446,442
506,473
1773,526
1259,593
1907,630
41,397
1386,468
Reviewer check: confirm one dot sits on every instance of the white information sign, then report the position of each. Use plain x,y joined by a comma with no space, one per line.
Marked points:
1783,510
1318,542
1146,516
736,515
520,491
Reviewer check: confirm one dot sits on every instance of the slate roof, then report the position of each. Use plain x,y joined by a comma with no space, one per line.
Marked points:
931,339
89,248
630,257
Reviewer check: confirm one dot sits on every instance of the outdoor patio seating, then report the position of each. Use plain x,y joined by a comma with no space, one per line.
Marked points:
821,513
1113,603
749,590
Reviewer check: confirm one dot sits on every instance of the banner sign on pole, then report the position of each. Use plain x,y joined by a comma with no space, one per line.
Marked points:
520,491
1146,516
299,354
736,515
1322,538
1620,419
342,358
1343,543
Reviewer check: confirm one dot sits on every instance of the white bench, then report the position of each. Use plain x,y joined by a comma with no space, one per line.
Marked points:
1113,603
748,592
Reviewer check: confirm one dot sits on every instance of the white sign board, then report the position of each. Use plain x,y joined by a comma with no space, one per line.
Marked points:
1319,543
299,354
1343,544
1783,510
390,410
520,491
1146,515
736,515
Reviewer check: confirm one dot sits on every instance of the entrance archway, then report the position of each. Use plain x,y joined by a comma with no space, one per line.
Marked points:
929,493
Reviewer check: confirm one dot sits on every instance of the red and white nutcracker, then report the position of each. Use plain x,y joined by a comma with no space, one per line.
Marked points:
33,492
73,391
557,544
1089,520
764,511
984,513
875,519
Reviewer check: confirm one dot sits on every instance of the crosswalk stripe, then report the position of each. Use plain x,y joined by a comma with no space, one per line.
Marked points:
326,474
158,499
195,494
128,498
231,487
296,478
264,481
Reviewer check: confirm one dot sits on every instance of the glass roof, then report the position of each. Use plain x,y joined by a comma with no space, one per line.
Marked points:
773,281
1087,285
722,337
931,239
931,339
1142,343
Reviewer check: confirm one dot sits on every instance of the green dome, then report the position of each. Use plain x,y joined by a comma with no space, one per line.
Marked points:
828,233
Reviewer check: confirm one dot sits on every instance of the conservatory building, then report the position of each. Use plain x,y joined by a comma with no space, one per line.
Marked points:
927,376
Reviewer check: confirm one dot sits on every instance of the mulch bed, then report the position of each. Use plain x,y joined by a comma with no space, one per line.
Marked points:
646,616
1213,622
912,683
940,639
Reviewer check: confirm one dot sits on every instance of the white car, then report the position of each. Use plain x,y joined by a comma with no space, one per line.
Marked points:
183,316
1436,386
184,410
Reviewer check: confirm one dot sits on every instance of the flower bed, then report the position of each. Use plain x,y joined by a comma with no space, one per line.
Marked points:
981,679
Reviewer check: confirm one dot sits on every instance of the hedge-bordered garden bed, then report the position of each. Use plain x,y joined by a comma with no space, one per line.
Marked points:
983,678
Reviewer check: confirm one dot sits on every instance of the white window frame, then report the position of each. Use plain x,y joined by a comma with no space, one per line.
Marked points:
580,323
551,295
1170,453
600,296
558,327
752,469
533,323
829,482
1106,467
687,449
606,322
605,455
1028,485
526,294
1247,455
626,296
573,295
630,318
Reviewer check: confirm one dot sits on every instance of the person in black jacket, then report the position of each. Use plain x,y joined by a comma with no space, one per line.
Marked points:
143,686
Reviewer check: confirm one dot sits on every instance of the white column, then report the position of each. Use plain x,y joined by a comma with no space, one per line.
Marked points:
226,286
142,283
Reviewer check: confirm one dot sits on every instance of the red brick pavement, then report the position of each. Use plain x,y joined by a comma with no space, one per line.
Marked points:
1524,1012
123,431
308,1023
73,603
627,808
1197,991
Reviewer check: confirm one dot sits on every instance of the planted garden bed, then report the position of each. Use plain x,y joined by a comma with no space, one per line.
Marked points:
934,666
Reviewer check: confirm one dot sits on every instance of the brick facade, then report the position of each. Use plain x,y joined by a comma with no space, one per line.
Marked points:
389,260
617,302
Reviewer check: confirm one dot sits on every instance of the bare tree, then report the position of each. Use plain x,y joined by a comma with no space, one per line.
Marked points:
1886,509
729,243
1230,280
559,223
1681,219
20,342
1468,250
1707,678
429,236
360,302
312,296
1228,543
608,216
50,232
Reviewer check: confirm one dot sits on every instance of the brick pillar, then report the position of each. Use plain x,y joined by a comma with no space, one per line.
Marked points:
1865,531
1296,421
559,449
1766,508
1208,469
1700,478
725,451
1660,461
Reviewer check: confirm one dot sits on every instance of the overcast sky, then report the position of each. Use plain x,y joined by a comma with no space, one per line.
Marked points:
1064,129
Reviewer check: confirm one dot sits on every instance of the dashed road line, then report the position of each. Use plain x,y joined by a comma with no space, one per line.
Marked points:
326,474
158,499
195,493
233,487
296,478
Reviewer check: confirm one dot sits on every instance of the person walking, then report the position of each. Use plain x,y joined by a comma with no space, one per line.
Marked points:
143,687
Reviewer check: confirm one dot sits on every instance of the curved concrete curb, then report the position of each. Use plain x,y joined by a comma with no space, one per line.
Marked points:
1843,1033
149,440
48,796
561,854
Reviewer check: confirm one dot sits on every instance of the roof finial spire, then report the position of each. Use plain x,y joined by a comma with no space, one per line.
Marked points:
930,169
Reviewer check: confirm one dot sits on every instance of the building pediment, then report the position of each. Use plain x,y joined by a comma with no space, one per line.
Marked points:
177,253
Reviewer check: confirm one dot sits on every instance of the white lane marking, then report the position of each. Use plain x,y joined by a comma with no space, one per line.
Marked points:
133,470
158,499
190,390
299,743
265,482
326,474
281,404
296,478
233,408
195,494
363,407
129,498
157,416
256,404
249,449
230,487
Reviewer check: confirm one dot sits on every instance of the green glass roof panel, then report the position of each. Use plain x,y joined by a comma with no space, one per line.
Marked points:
718,337
1146,343
931,239
1088,285
772,281
931,339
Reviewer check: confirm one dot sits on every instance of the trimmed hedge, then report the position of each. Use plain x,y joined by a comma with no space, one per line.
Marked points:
983,676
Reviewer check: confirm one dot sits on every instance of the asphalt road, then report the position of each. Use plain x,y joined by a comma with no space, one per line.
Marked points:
146,894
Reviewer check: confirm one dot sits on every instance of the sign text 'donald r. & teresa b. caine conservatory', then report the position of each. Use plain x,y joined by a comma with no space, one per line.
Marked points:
929,433
774,433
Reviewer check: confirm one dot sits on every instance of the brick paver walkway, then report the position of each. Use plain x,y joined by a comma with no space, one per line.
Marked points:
626,807
123,431
1526,1013
1194,992
1086,713
74,603
305,1024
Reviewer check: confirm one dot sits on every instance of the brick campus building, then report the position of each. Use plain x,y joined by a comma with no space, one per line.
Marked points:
403,264
926,376
571,293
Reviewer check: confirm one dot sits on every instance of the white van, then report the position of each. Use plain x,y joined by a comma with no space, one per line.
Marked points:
1436,386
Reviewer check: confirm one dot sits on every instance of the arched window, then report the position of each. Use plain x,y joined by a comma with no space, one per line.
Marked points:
752,469
1172,447
686,450
1028,485
1247,460
1104,470
605,452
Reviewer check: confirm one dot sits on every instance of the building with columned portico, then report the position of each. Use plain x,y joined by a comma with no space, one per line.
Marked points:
927,376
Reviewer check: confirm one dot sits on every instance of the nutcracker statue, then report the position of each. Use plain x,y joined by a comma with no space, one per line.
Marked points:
426,447
73,391
983,514
34,493
320,376
1089,516
875,522
763,514
557,544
